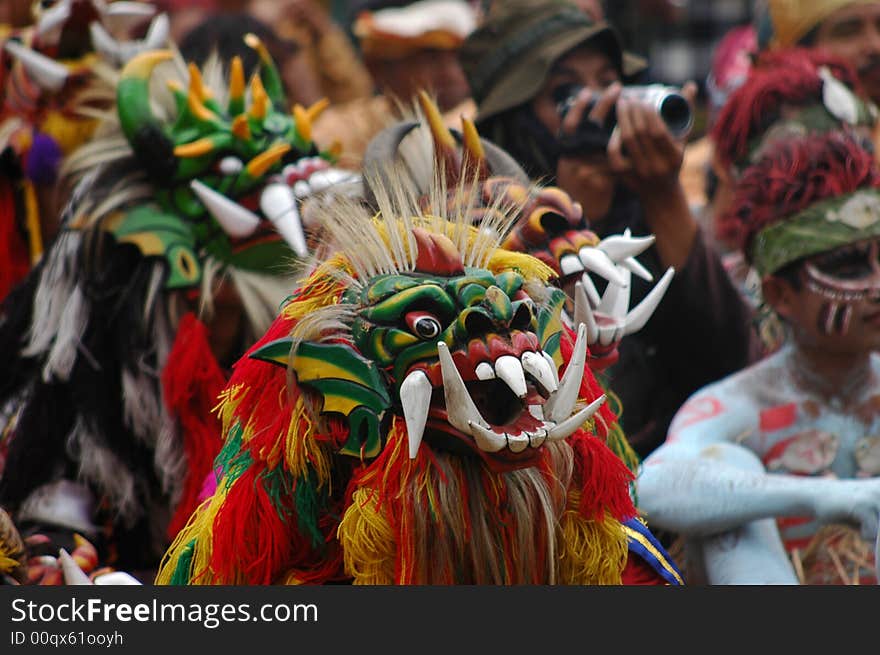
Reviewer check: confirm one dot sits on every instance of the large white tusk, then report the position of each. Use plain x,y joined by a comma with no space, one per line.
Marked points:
460,408
583,313
415,398
509,369
637,318
538,368
590,288
634,267
572,423
552,363
73,574
486,440
52,19
558,407
104,43
279,205
597,261
615,301
570,264
235,220
48,74
158,34
619,247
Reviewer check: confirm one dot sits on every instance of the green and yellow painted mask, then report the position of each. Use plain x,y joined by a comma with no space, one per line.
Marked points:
224,172
460,339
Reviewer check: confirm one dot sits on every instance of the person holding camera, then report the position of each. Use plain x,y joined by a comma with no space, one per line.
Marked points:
557,91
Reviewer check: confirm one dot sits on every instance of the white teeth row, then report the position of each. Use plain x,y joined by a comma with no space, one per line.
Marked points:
512,371
463,414
491,442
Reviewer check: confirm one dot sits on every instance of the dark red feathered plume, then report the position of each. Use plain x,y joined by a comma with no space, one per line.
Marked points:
784,78
799,172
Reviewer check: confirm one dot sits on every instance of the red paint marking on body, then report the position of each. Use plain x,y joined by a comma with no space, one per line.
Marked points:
778,418
694,412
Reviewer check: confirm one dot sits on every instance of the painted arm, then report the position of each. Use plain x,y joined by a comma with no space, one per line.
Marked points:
700,482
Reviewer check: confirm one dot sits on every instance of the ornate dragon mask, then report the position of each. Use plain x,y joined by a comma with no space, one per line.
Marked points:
224,170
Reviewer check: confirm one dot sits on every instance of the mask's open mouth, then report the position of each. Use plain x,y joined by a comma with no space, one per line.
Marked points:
503,410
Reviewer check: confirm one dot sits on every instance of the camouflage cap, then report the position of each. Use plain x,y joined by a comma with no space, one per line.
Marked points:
508,57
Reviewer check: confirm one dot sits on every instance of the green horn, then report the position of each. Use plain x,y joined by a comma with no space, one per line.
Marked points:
268,71
151,145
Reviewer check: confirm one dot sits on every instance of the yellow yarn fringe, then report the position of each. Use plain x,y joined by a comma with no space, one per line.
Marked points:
322,288
200,528
302,450
230,399
591,552
367,541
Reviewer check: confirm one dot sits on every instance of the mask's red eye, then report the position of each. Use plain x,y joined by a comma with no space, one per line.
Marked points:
423,324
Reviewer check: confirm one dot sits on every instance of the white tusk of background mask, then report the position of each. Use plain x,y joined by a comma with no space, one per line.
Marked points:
235,220
278,204
48,74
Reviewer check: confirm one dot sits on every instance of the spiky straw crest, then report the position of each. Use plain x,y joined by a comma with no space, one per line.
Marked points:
360,245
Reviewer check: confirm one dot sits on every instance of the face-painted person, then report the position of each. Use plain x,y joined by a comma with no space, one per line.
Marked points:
773,472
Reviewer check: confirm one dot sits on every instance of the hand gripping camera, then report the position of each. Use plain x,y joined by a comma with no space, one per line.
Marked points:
667,101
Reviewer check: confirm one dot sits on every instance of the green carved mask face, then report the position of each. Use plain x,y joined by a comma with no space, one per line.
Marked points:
467,357
224,173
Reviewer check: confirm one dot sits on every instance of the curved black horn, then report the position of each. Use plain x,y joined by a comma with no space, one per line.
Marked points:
381,153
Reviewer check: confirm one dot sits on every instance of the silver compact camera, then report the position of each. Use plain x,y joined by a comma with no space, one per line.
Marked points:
667,101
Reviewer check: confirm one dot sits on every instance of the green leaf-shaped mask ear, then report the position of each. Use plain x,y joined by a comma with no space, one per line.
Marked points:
348,383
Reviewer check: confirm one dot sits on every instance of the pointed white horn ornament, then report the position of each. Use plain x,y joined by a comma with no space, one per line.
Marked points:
415,398
278,203
235,220
73,574
52,19
460,408
619,247
104,43
583,313
598,262
48,74
615,301
559,406
572,423
637,318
